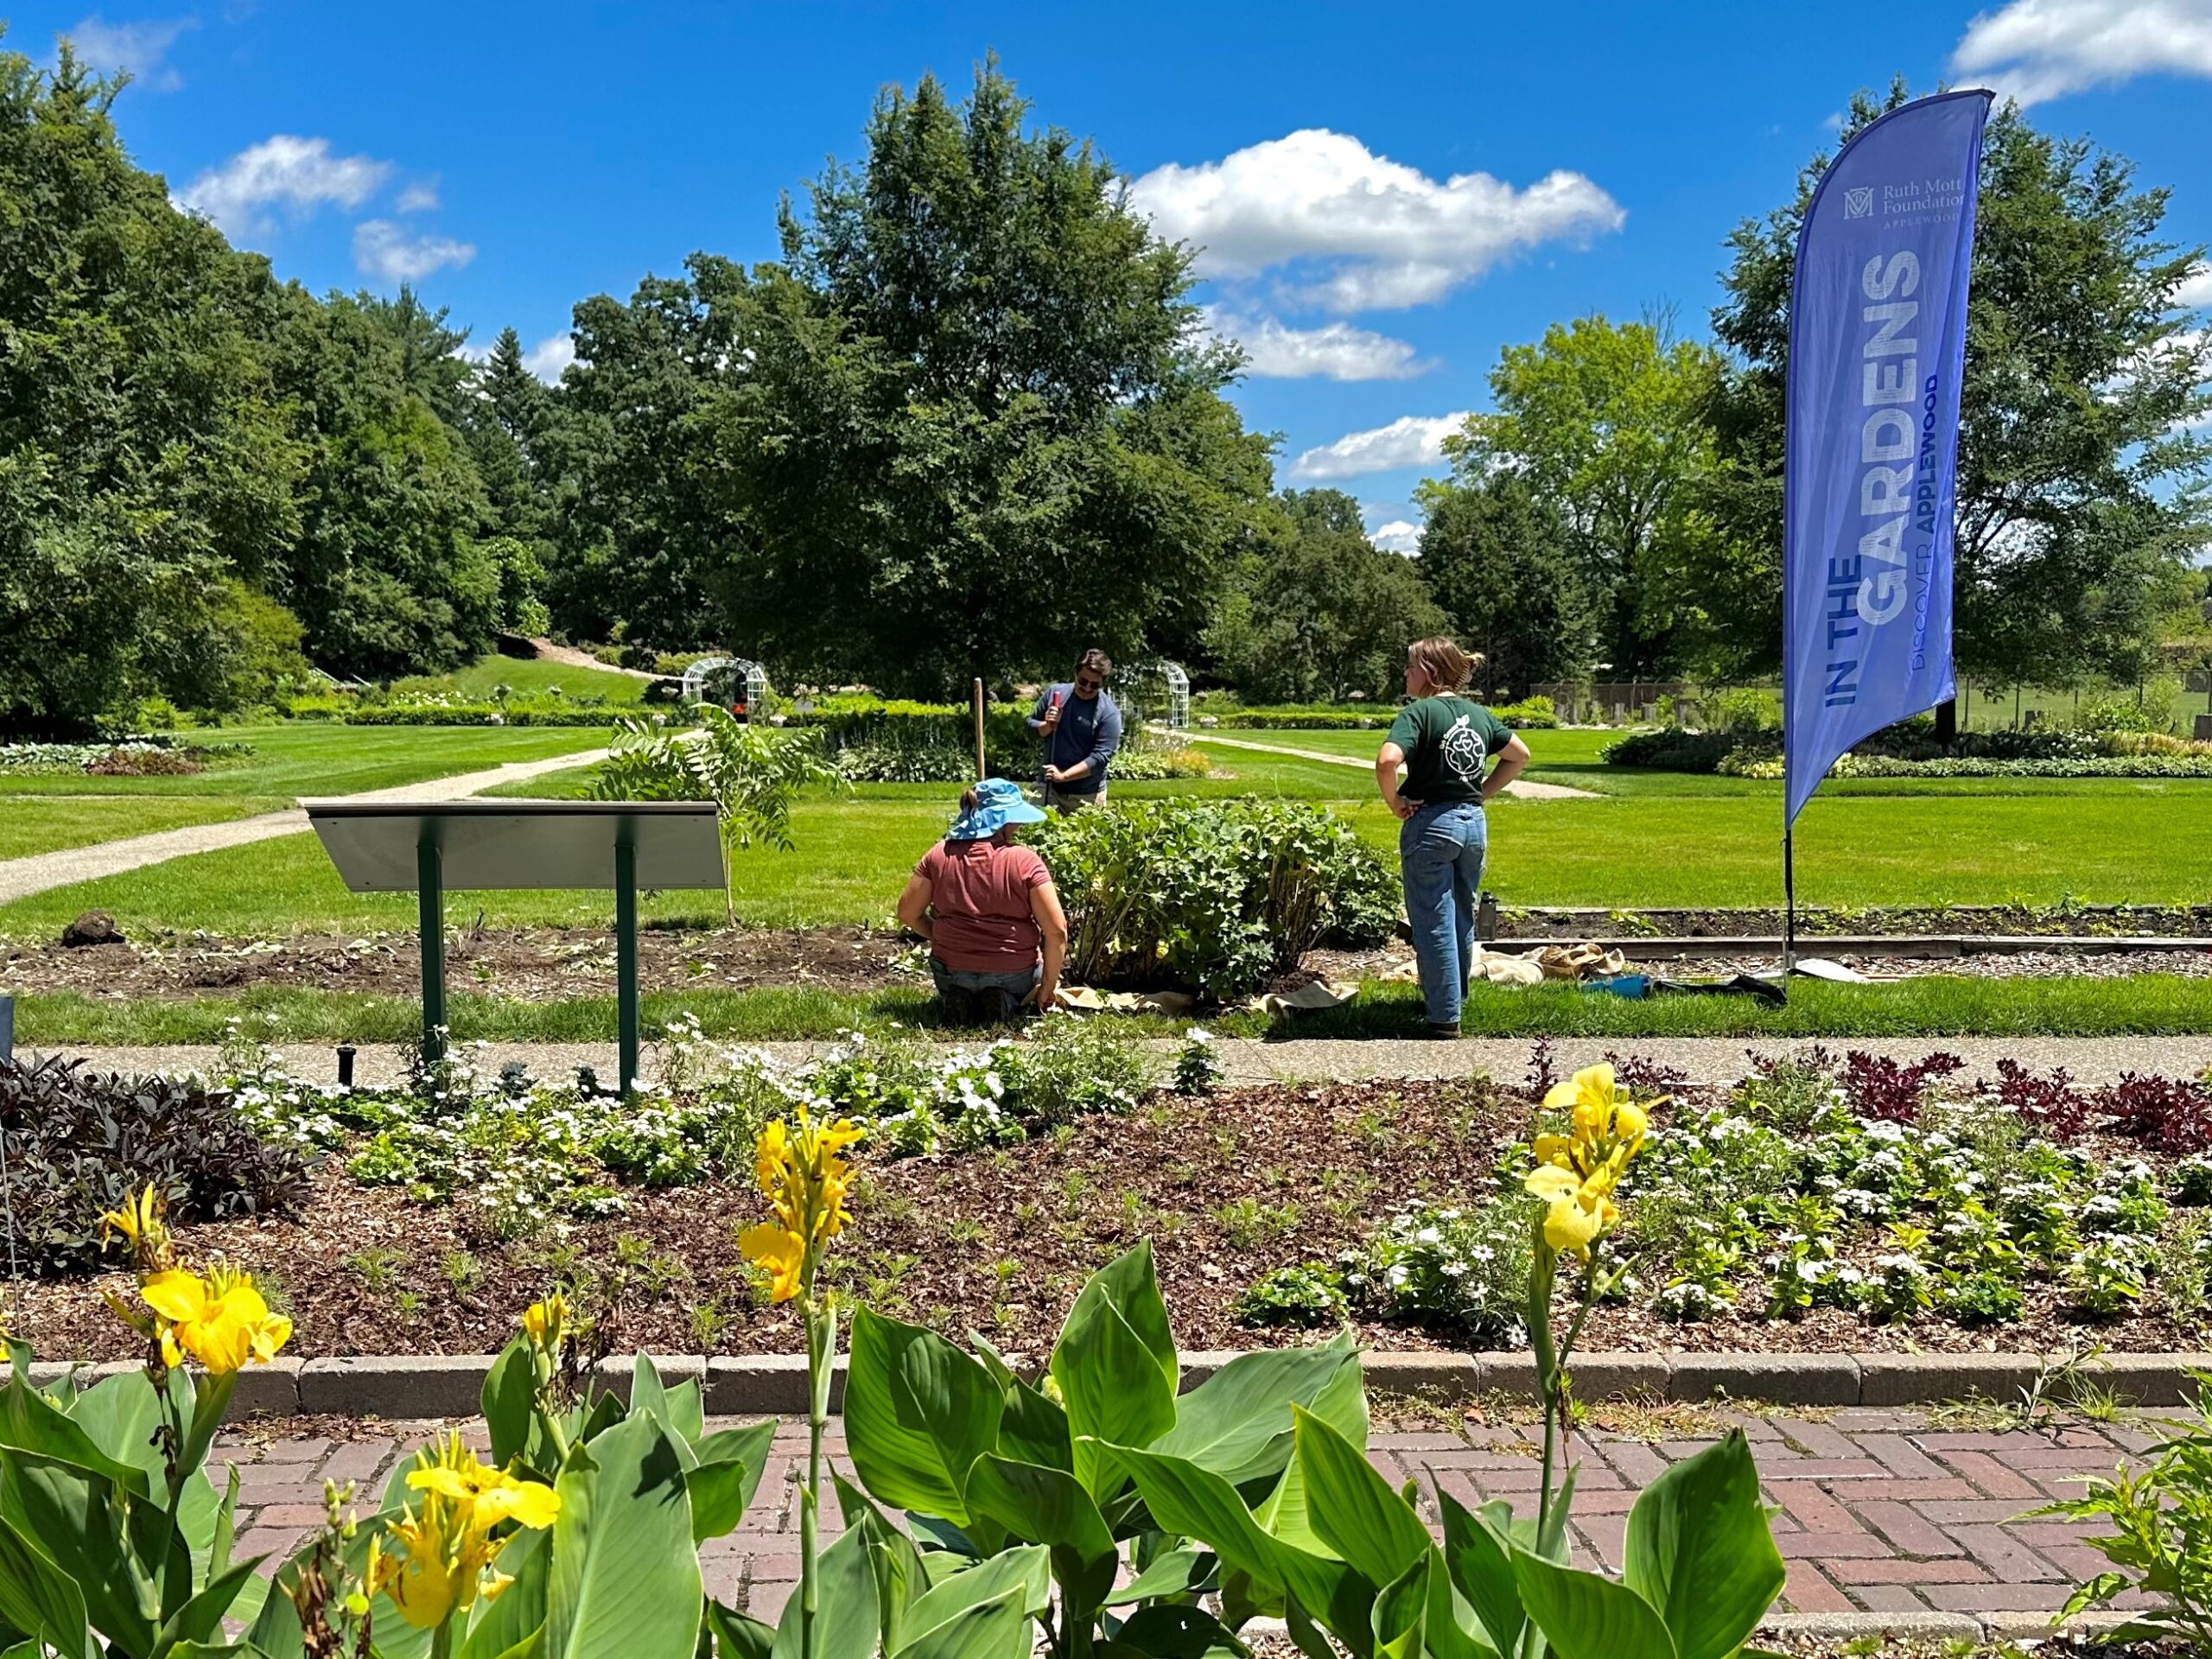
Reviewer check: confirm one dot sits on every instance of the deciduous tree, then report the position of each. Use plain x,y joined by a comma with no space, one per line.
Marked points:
1323,612
1607,421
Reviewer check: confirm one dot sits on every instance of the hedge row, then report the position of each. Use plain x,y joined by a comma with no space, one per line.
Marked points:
1531,714
466,714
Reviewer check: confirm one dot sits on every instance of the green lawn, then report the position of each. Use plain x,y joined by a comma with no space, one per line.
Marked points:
527,677
305,757
1934,1007
1653,838
48,823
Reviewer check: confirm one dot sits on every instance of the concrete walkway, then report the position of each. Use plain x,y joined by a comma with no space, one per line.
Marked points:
1520,786
2092,1061
1879,1511
22,877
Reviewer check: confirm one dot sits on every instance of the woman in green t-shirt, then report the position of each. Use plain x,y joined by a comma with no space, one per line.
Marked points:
1442,741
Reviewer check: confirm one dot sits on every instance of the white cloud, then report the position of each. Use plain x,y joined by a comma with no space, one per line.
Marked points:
298,174
2038,49
139,48
1390,235
1398,536
419,197
383,249
549,356
2195,288
1336,351
1409,441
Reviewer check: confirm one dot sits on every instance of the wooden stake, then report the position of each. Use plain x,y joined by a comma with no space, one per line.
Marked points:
980,773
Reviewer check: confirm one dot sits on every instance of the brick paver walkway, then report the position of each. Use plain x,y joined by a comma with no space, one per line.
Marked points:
1879,1511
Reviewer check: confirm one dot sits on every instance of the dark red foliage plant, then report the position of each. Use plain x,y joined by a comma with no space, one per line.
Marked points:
2050,1105
2169,1114
1879,1087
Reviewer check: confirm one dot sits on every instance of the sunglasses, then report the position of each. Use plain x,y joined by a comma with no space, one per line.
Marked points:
1082,684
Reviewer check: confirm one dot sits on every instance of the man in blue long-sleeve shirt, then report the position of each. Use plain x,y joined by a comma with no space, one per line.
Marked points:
1082,729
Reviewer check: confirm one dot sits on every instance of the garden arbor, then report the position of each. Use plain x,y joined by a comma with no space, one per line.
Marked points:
731,679
1157,693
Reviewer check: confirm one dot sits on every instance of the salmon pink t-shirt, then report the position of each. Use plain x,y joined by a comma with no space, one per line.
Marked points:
981,893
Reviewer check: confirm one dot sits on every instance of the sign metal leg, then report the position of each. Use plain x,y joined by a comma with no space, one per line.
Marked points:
429,885
626,955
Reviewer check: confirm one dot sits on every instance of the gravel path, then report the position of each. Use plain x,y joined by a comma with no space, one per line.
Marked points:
2093,1060
1520,786
570,657
22,877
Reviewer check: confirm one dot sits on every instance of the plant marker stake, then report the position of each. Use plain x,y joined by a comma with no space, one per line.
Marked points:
7,1192
429,884
626,955
981,773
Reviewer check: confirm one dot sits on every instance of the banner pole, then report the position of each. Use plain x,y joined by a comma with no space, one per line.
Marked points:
1788,909
981,771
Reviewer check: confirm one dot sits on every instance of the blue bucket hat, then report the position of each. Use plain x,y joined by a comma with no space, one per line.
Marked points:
999,802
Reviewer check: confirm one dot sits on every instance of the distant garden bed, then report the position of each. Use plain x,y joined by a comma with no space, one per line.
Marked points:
1909,753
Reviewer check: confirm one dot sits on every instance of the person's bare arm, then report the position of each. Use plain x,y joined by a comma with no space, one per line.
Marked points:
914,908
1512,760
1387,762
1052,923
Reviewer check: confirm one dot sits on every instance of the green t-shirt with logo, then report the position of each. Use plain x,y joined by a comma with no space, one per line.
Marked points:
1445,740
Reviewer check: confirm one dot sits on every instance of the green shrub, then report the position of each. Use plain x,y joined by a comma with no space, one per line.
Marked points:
1743,709
1213,895
1306,1297
79,1143
1466,1271
2160,1539
576,713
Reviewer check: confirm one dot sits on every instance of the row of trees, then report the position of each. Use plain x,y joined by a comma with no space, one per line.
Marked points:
968,422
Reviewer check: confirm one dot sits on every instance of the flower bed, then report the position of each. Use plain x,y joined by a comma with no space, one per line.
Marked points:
1801,1213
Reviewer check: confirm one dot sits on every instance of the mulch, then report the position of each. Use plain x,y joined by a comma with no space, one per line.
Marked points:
1226,1187
541,964
529,964
2105,921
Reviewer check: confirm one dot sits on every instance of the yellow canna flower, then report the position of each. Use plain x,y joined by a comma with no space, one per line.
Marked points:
1577,1172
782,1254
805,1183
545,1322
447,1549
141,1221
1580,1210
220,1320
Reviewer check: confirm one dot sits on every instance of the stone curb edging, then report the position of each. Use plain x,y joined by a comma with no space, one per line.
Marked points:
1883,1627
450,1385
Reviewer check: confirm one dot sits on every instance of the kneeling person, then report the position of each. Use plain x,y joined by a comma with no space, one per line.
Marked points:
987,907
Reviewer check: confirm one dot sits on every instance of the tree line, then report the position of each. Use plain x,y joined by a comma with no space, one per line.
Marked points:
966,422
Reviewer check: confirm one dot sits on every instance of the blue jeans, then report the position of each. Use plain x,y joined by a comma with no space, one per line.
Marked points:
1440,850
965,998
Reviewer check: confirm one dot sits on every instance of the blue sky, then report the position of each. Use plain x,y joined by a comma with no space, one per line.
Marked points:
1387,194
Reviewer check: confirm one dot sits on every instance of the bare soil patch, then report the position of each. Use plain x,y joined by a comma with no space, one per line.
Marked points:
532,963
